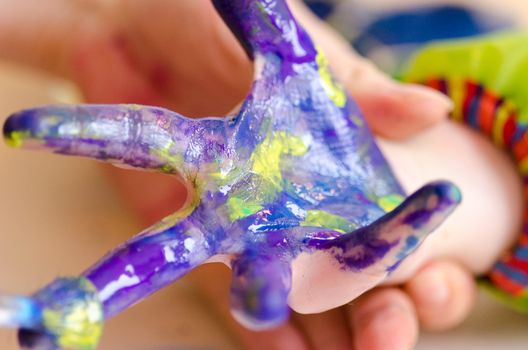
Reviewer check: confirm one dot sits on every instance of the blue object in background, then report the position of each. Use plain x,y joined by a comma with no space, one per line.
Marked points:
321,8
389,37
419,26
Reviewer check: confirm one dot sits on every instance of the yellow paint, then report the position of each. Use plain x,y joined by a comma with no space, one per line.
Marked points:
457,92
266,165
81,327
333,89
173,219
53,119
133,106
240,208
16,138
498,127
225,177
321,218
390,202
193,200
267,156
172,161
357,120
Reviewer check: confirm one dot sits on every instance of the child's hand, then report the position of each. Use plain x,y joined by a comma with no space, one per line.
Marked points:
179,54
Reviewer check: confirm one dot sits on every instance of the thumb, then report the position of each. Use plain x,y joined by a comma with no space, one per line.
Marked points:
392,109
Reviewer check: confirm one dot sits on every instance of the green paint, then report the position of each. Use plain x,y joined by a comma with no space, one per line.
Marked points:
320,218
240,208
390,202
356,120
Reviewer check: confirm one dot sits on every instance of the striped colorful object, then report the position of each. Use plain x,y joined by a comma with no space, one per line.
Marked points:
486,79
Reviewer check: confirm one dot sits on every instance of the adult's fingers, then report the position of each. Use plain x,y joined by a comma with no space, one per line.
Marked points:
116,54
383,319
327,330
443,293
392,109
198,66
37,32
213,282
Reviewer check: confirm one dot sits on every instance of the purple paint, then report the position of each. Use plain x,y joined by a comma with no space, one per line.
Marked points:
270,183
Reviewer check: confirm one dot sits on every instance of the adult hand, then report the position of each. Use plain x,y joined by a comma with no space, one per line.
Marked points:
180,55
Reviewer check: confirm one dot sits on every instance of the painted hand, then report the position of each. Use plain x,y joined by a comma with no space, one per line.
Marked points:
377,95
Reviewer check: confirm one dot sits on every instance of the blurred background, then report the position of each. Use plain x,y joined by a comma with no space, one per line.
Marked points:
58,215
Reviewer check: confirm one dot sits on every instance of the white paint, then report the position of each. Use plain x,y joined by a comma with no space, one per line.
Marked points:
254,228
224,189
296,210
292,36
123,282
5,318
170,257
189,244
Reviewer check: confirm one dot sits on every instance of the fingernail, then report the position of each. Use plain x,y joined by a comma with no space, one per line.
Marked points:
431,287
427,98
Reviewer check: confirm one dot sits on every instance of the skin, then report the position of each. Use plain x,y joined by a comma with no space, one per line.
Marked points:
94,35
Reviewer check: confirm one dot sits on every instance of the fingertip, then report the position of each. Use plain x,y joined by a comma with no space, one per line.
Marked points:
424,105
443,294
259,291
420,93
19,127
384,320
396,111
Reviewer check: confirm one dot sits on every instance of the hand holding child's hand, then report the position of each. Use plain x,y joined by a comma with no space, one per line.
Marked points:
179,54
